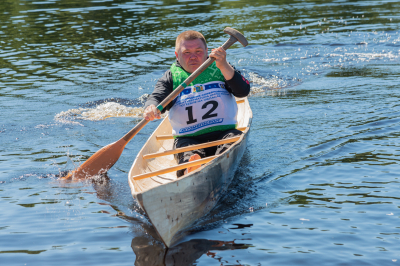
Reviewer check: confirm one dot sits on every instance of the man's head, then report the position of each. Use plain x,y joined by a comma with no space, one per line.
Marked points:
191,50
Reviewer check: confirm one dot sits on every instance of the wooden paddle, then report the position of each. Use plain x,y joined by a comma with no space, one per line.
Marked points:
106,157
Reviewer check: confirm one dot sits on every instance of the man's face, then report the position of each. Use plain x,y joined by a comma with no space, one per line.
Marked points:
191,54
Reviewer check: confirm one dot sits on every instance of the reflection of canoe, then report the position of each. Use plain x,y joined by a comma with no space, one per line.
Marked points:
173,204
150,253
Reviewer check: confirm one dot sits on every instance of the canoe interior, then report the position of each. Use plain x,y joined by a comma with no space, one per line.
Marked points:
153,145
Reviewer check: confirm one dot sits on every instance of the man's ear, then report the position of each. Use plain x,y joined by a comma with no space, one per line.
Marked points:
176,54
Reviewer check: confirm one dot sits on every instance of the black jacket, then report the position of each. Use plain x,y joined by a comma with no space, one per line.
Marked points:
238,86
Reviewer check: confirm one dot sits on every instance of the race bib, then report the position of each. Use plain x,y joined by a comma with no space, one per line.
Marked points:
203,108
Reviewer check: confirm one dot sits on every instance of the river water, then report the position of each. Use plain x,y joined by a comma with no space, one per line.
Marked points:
318,184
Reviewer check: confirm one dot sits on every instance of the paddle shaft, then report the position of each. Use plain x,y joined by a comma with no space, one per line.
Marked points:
178,90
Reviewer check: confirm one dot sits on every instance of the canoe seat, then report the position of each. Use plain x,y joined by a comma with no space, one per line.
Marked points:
174,168
191,148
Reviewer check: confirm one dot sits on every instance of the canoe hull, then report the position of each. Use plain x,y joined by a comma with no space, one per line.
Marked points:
175,206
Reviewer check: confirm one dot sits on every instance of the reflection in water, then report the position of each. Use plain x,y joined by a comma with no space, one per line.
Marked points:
184,254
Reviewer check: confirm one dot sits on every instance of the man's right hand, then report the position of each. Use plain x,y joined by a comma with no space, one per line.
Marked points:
151,113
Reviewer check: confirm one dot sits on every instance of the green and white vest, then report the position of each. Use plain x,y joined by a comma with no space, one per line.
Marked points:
203,106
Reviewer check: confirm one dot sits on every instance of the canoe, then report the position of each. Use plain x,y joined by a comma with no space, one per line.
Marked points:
173,204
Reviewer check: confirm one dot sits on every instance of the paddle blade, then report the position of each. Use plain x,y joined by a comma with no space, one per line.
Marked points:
100,162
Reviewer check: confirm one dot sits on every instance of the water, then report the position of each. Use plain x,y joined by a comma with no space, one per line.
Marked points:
318,183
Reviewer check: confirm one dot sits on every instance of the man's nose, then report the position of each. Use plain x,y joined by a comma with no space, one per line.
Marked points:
192,56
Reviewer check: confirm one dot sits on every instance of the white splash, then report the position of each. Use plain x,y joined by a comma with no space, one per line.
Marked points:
261,84
100,112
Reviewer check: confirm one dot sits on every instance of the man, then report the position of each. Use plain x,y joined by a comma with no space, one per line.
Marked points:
206,110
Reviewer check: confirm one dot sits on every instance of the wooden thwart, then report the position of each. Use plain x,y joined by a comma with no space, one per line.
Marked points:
174,168
191,147
165,137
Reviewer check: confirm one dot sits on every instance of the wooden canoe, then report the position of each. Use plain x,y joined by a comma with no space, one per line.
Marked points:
173,204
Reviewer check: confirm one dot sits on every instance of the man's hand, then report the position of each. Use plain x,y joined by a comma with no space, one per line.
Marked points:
220,59
151,113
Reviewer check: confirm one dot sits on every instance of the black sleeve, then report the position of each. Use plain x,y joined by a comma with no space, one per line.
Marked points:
163,88
238,85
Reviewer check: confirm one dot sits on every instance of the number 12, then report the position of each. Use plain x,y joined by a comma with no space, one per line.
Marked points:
209,113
